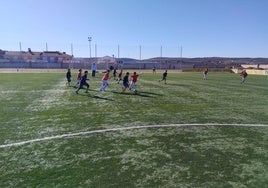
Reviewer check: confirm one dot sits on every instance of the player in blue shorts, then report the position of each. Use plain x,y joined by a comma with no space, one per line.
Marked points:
83,82
164,78
68,77
125,82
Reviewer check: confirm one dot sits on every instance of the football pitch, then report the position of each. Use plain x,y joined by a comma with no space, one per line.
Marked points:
189,132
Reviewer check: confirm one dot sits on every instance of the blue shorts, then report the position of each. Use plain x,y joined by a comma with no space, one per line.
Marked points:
126,85
69,79
83,84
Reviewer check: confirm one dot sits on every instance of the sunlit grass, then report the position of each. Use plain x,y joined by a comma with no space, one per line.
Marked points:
40,105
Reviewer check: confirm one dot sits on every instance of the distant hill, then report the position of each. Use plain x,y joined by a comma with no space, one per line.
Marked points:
210,61
197,62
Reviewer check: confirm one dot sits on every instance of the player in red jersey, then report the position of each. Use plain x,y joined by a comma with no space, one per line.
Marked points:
244,75
134,79
105,79
119,78
205,74
78,79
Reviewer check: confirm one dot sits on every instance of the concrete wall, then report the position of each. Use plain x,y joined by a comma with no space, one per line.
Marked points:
255,66
30,65
102,66
259,72
252,71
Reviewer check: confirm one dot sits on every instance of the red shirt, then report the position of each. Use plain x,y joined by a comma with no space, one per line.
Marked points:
79,76
244,74
120,74
134,77
105,76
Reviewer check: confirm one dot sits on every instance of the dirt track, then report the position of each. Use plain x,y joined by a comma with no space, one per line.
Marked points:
6,70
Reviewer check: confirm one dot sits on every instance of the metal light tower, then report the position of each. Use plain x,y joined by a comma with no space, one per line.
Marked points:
95,50
181,52
89,43
181,58
140,52
20,46
72,49
118,51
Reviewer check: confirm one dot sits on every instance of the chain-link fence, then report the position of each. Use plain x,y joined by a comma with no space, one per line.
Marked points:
90,49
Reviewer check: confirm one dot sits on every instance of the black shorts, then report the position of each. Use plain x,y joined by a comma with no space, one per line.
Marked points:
84,84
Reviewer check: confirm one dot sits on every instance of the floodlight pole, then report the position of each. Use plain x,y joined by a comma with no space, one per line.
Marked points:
89,43
140,52
118,51
181,57
181,52
95,50
20,46
72,49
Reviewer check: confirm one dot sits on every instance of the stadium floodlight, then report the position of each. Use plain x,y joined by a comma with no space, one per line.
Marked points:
89,43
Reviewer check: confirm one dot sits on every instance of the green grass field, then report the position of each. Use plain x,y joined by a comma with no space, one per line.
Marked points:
206,147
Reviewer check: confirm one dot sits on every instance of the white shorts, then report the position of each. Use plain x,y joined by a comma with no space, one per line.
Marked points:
132,84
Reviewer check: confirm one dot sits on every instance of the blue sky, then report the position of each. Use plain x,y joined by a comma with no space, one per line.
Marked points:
225,28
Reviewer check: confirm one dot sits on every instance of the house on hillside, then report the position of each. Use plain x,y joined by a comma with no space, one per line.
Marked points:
55,57
20,56
30,56
2,53
106,59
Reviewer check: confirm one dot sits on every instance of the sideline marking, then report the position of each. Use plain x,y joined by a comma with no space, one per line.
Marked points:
123,129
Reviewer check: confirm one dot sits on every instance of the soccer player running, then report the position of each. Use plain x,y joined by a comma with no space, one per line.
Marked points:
119,78
105,79
79,77
244,75
164,77
125,82
205,74
134,79
114,73
83,82
68,77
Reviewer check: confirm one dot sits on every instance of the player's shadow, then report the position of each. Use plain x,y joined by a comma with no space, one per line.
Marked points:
150,93
133,94
102,98
172,84
94,96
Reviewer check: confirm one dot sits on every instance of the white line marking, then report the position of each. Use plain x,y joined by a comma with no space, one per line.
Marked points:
123,129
